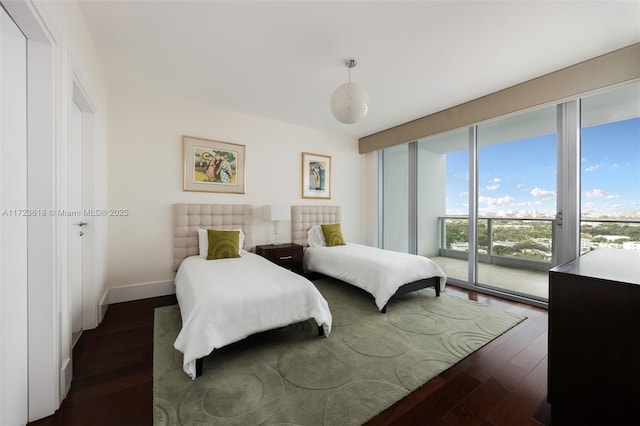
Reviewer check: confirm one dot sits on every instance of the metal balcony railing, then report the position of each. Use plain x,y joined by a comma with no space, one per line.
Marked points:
511,249
523,243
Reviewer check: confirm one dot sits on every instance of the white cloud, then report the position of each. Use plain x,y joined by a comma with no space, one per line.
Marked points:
495,184
592,168
598,193
491,202
543,194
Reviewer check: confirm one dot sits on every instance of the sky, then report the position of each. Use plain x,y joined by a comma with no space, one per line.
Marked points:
520,176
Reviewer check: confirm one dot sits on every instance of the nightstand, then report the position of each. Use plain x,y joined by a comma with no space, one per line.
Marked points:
289,255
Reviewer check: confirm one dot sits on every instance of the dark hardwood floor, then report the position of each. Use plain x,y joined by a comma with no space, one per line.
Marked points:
503,383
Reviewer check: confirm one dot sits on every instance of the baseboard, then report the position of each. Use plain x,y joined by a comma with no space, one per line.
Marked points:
103,305
66,374
139,291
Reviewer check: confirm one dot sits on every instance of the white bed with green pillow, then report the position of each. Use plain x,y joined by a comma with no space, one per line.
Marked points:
225,292
382,273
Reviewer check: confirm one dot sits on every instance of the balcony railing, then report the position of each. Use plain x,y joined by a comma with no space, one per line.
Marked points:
528,243
522,243
615,233
516,253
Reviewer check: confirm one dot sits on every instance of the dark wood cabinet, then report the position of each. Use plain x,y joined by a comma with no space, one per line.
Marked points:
288,255
594,339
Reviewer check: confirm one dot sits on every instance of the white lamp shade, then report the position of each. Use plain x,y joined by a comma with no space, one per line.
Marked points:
277,212
349,103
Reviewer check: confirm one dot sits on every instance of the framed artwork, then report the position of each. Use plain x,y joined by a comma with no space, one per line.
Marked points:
213,166
316,176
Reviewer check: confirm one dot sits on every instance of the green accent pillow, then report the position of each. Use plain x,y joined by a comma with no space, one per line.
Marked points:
223,244
333,235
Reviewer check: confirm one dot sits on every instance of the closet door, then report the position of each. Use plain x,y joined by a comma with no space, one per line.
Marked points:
13,224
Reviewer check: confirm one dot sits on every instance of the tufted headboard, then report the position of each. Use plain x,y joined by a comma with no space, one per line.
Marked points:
187,218
304,217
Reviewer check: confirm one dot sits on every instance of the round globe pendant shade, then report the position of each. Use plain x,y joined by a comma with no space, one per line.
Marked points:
349,103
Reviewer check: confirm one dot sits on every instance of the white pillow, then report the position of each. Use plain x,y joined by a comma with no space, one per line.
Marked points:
315,236
203,242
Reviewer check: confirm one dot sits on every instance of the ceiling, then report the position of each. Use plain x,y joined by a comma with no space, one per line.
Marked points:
282,60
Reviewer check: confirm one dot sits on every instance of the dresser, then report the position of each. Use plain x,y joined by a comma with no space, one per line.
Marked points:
289,255
594,339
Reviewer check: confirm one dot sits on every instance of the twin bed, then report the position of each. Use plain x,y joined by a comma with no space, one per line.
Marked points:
225,300
228,299
382,273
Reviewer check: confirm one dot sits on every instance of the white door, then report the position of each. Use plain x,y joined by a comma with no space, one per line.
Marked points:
13,224
76,223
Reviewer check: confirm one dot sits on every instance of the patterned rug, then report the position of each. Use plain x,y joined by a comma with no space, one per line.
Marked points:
290,376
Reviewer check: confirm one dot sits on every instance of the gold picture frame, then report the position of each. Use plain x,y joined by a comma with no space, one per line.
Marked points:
316,176
213,166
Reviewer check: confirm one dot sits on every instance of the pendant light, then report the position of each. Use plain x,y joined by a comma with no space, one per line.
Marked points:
350,102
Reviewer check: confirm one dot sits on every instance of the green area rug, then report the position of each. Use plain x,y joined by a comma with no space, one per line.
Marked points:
291,376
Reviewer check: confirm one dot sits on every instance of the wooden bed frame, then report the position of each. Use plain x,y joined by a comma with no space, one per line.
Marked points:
304,217
188,218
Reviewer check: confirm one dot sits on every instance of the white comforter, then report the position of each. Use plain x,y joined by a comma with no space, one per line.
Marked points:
380,272
223,301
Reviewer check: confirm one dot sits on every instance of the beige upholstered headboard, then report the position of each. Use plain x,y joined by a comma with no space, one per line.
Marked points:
304,217
187,218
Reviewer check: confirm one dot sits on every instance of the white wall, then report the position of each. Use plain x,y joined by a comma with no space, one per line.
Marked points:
146,177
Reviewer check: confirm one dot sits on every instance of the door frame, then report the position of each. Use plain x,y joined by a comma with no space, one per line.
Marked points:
567,223
74,248
90,312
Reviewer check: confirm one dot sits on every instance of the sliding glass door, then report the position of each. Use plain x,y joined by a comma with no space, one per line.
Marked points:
517,174
610,172
498,204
